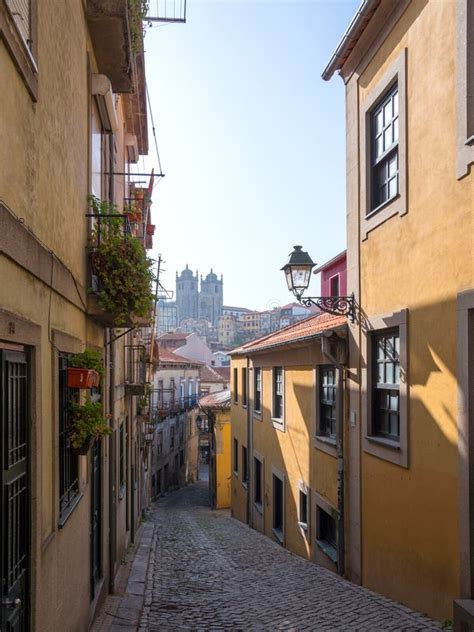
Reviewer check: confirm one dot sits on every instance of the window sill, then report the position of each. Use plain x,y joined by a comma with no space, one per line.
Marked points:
328,550
279,424
257,414
303,526
374,211
235,473
278,533
244,405
69,511
258,507
245,485
386,443
469,141
326,440
121,491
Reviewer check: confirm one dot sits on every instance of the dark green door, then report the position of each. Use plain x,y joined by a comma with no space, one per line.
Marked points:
14,459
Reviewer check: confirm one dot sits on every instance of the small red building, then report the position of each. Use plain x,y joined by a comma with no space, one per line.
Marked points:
334,276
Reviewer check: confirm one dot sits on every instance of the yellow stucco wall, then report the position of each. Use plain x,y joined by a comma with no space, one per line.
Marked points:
291,451
223,459
419,262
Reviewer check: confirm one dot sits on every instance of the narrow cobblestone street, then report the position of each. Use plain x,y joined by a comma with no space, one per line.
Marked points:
208,571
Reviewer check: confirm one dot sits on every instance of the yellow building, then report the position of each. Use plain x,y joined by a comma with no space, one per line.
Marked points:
70,127
287,419
216,407
408,71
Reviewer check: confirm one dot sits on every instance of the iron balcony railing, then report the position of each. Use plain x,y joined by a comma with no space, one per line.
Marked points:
164,403
135,377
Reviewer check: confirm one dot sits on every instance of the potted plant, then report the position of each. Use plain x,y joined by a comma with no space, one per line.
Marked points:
86,370
122,269
88,425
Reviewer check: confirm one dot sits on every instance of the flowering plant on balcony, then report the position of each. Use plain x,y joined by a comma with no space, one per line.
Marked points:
88,425
119,261
88,359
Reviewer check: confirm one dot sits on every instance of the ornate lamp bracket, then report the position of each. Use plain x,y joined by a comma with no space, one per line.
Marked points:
337,305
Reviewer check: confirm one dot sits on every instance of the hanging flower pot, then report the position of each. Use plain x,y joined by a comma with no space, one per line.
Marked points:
82,378
150,229
84,448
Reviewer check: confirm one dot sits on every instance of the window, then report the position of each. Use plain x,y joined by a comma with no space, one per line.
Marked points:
327,401
278,505
235,385
326,533
122,459
258,481
244,387
172,436
236,456
386,385
384,141
258,390
334,285
303,509
159,444
181,458
277,393
68,461
245,472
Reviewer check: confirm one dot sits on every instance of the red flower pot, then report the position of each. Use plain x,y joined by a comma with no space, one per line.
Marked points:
82,378
150,229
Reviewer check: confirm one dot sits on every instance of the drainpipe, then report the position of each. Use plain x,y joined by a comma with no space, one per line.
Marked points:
326,350
110,346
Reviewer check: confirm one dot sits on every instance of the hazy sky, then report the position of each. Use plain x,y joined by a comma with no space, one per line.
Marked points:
251,141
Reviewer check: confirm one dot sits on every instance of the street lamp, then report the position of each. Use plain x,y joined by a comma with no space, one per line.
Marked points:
298,274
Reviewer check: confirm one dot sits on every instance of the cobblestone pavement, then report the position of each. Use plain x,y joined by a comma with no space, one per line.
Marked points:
208,571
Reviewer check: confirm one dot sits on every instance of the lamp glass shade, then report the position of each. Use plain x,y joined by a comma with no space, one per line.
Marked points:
298,271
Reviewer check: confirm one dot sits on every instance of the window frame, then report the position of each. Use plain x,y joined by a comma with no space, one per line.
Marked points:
370,217
244,386
65,453
235,457
394,451
279,533
23,56
245,466
380,389
258,377
258,503
464,109
304,490
335,277
329,547
235,386
320,433
278,422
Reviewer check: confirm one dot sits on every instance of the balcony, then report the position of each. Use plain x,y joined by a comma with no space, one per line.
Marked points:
120,283
164,403
135,377
109,29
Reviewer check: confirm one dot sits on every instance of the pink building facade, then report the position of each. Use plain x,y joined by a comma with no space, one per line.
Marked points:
334,276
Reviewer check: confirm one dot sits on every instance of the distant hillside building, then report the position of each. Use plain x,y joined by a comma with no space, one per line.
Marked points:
211,298
196,302
187,294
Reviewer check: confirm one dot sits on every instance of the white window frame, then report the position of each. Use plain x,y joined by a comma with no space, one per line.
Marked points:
278,422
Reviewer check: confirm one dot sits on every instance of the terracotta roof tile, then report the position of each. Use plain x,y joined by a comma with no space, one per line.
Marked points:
209,374
221,400
307,328
224,371
168,357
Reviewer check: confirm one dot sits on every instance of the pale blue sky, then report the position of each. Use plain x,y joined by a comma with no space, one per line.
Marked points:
251,141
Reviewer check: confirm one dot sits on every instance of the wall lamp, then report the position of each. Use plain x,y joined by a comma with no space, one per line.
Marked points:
298,274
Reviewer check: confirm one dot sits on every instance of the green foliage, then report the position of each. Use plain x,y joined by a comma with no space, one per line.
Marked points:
88,359
137,11
88,421
121,266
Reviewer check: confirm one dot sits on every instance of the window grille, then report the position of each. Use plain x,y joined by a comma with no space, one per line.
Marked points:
68,461
384,121
386,385
327,401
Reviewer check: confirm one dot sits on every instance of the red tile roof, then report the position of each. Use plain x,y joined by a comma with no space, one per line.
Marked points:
224,371
221,400
209,374
304,329
165,356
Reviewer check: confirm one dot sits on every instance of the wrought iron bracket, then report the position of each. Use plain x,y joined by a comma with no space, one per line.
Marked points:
337,305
